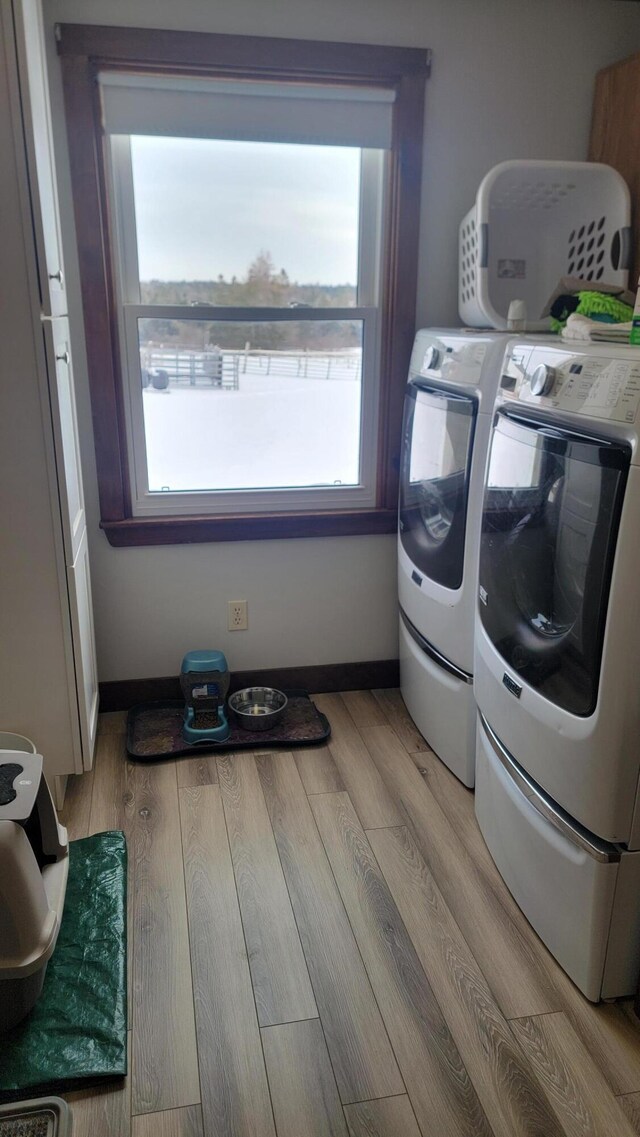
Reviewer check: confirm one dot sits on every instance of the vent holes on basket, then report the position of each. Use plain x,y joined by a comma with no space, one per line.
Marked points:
581,232
616,250
591,228
601,223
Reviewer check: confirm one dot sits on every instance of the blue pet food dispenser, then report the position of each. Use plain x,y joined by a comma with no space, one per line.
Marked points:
204,679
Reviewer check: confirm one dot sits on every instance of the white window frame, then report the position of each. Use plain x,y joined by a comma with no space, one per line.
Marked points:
145,503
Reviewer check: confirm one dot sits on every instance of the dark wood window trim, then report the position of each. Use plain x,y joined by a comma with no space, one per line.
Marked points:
84,50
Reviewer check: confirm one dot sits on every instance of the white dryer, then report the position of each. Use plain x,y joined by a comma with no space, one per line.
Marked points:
557,661
451,389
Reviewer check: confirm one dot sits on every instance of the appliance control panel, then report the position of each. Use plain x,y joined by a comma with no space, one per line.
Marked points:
454,359
601,386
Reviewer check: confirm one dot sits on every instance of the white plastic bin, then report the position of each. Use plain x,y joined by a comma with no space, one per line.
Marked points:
533,223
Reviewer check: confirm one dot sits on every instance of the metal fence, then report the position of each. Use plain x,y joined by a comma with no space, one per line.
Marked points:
303,364
192,368
185,367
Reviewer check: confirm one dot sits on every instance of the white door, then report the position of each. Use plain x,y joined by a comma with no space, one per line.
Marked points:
84,648
65,431
43,200
38,139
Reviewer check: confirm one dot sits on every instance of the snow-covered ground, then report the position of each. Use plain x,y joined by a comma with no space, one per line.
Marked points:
274,431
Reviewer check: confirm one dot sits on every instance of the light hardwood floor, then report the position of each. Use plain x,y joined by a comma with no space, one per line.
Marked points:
320,946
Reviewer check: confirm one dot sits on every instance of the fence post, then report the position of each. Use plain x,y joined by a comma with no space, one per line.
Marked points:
246,355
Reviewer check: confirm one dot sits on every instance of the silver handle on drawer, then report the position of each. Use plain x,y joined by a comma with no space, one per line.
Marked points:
433,652
56,275
588,842
64,357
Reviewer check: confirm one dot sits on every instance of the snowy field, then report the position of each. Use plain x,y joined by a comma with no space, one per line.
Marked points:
275,431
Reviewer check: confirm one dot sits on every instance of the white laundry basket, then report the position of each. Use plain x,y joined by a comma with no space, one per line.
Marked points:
533,223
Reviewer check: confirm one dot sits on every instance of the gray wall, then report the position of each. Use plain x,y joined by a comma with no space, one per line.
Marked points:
511,79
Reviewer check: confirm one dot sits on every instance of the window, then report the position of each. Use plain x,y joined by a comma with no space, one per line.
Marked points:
250,322
275,404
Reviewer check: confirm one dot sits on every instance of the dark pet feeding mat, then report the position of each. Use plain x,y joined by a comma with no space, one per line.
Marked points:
154,730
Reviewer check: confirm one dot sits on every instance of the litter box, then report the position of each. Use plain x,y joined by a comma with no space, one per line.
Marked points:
40,1117
531,224
34,861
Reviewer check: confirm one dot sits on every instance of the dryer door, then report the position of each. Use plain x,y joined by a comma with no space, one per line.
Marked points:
434,480
549,527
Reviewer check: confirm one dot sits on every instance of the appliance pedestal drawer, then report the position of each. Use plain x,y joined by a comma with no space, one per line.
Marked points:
441,705
581,895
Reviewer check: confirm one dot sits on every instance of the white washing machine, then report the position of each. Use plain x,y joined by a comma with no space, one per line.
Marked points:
557,660
451,389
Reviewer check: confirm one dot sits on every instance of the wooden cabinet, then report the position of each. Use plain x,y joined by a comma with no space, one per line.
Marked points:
615,135
48,674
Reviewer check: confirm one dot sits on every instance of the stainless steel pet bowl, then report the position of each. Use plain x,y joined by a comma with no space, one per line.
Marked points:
257,708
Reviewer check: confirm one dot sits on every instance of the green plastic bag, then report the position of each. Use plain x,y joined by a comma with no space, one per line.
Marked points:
77,1030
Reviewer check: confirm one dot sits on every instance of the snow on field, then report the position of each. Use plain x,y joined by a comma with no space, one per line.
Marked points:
273,431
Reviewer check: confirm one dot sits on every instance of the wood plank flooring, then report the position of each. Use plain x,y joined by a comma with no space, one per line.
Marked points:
281,984
165,1066
387,1117
321,946
303,1088
435,1076
235,1096
362,1057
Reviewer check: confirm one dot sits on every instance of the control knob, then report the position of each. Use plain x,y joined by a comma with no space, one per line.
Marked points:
431,358
542,379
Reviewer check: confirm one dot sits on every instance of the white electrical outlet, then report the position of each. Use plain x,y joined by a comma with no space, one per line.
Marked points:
237,615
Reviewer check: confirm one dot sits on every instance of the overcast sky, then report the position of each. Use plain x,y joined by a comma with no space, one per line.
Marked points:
205,208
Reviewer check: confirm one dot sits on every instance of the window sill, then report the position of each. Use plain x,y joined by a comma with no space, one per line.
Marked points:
252,527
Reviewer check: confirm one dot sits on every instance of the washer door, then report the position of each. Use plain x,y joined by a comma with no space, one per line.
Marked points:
549,527
434,481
